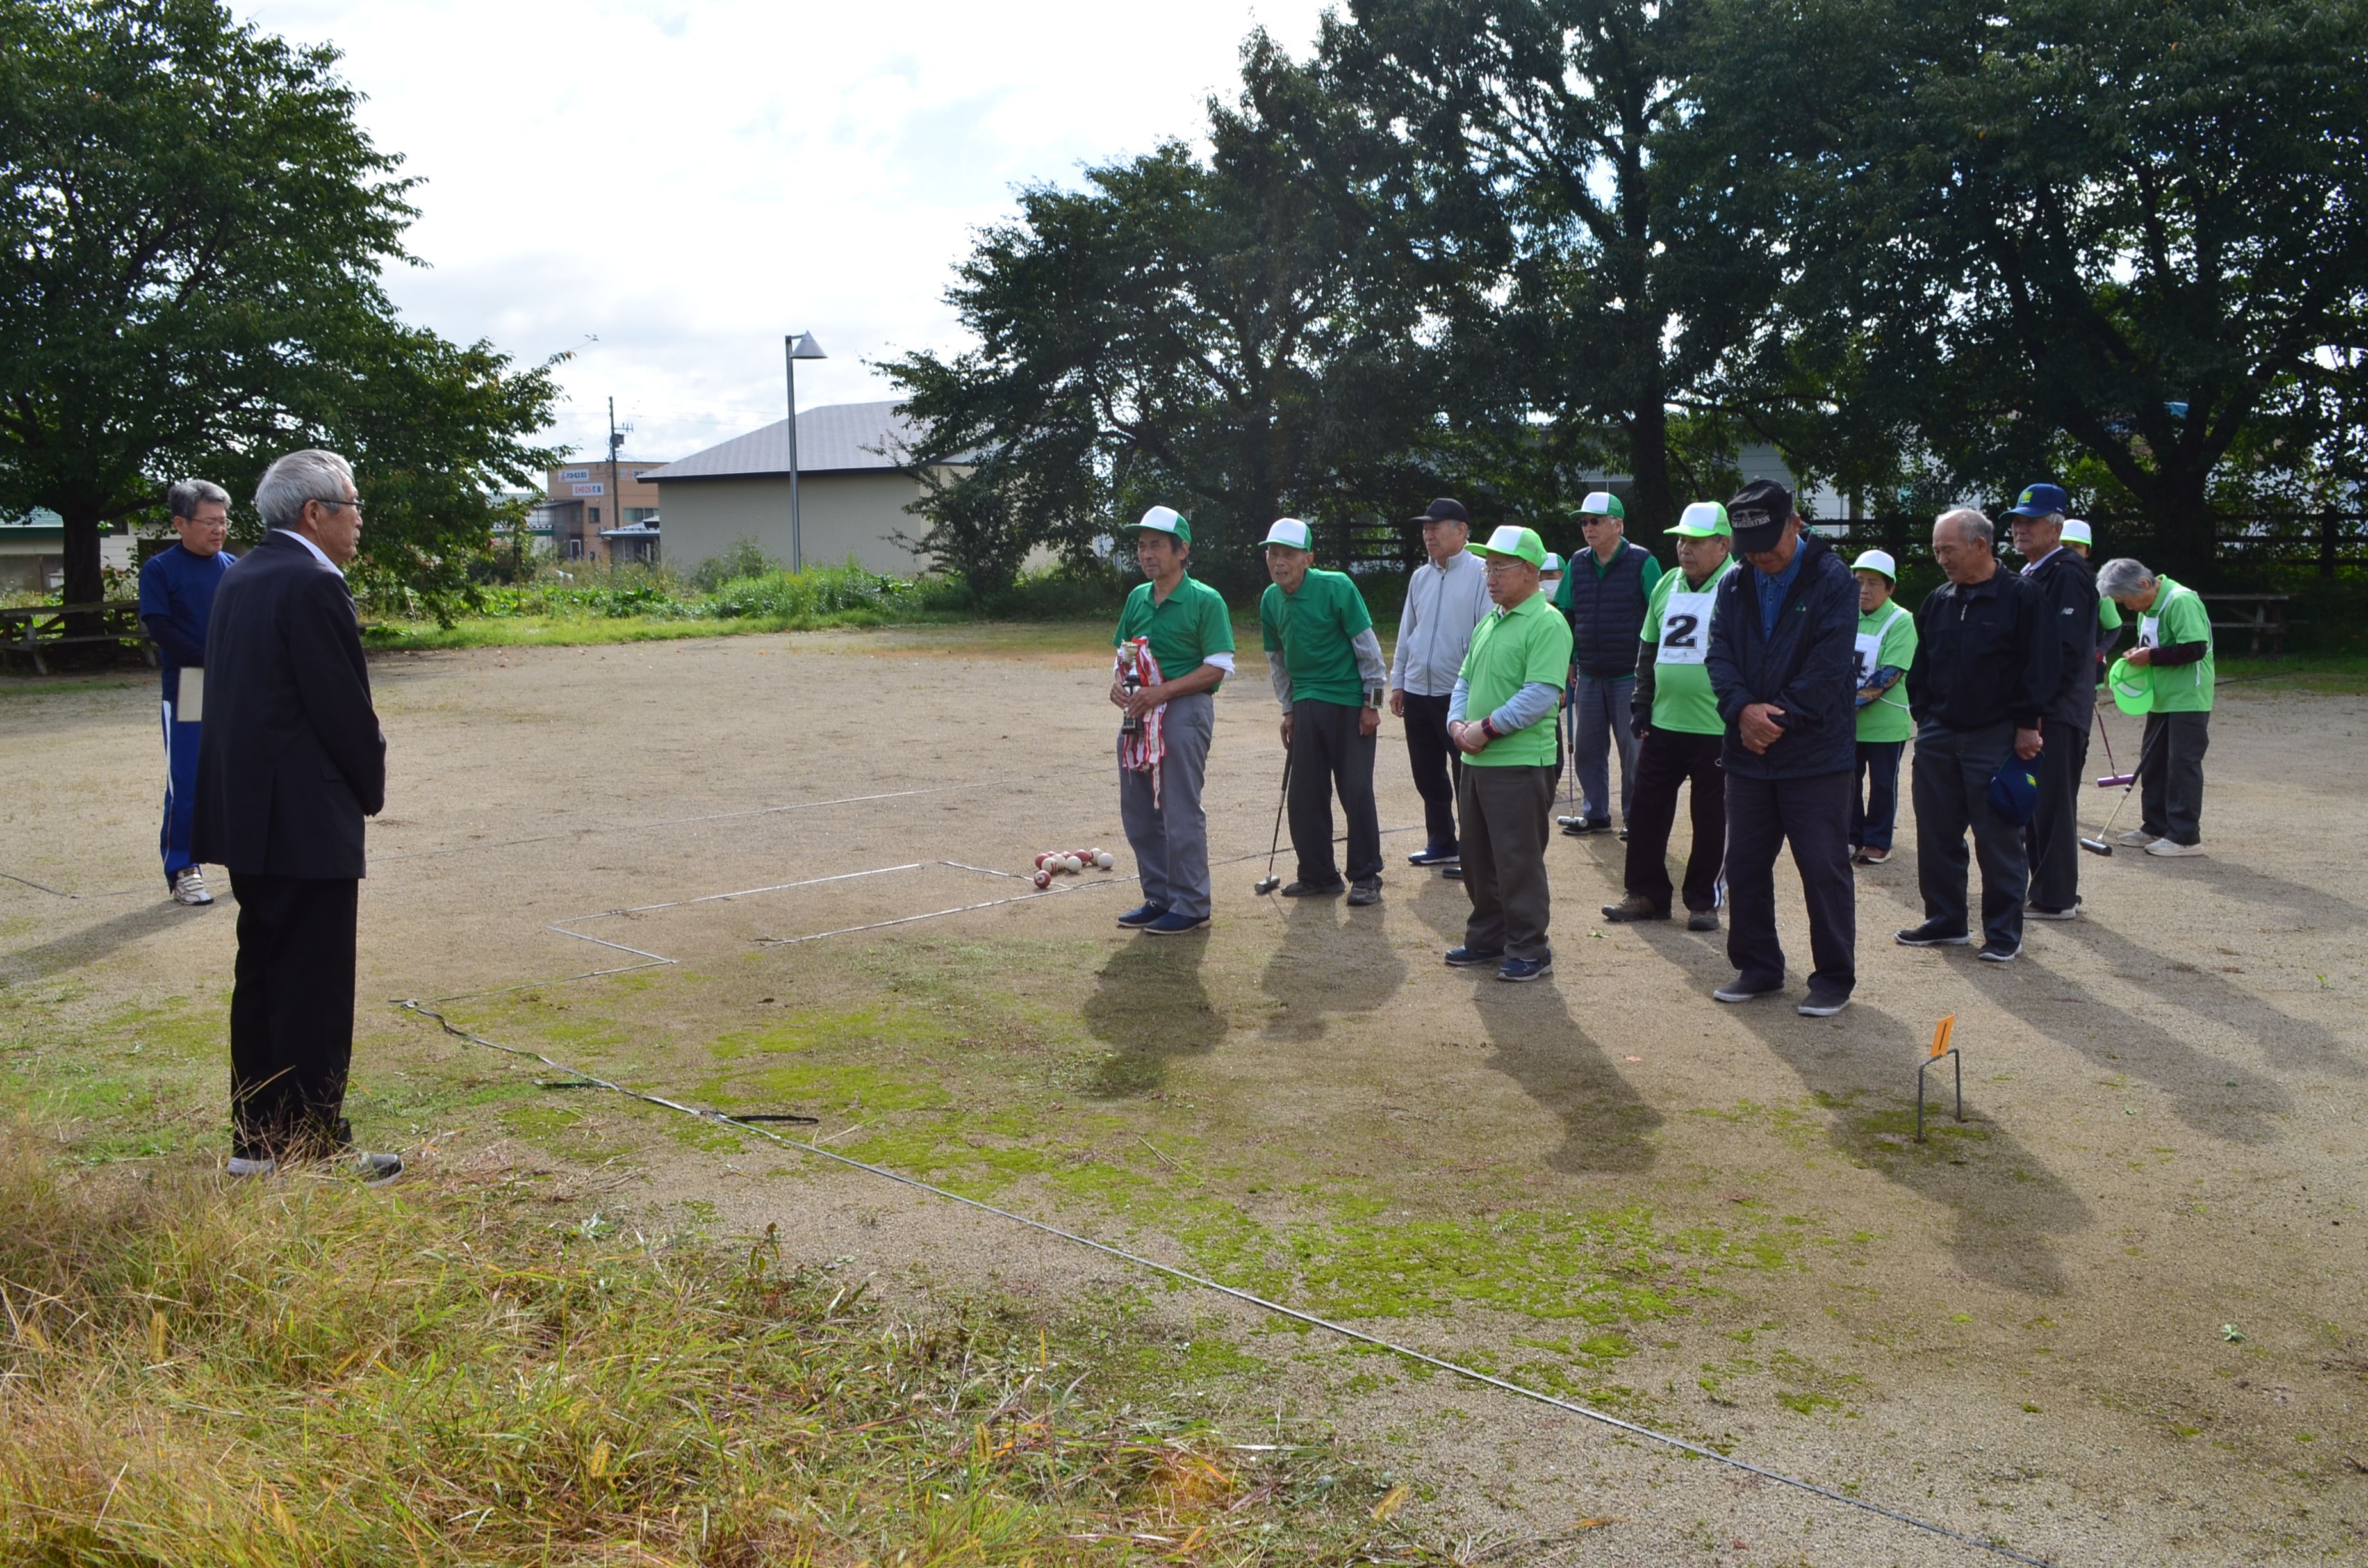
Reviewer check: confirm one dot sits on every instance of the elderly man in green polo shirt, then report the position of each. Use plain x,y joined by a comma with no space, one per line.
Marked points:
1329,676
1175,643
1502,718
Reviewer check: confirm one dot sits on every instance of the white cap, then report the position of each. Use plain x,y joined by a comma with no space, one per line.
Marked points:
1877,561
1552,564
2075,531
1165,520
1292,533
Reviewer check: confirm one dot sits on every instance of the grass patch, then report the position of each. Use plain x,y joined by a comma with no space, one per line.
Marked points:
465,1369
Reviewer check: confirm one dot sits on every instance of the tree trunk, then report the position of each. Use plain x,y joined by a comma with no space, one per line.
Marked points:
2186,529
1654,509
83,583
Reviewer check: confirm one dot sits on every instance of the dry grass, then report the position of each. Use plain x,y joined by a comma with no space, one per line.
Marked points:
304,1372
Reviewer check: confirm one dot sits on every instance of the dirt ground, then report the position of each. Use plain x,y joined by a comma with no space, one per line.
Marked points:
2119,1316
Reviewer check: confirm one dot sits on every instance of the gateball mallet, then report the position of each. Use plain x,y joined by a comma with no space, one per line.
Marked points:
1269,882
2103,842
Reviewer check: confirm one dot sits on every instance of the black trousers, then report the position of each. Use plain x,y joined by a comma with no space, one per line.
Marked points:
292,1014
2052,842
1951,785
1666,759
1506,819
1438,767
1873,818
1328,755
2170,785
1762,814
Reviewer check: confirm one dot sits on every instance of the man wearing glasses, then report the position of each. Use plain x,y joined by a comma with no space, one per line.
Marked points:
176,594
1604,594
291,761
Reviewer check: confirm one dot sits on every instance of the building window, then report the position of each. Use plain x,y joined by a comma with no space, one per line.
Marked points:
595,516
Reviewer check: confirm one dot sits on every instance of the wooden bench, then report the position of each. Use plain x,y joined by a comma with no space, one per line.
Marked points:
37,629
2262,615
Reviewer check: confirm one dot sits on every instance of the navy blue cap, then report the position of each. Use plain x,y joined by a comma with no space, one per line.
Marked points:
2040,501
2014,788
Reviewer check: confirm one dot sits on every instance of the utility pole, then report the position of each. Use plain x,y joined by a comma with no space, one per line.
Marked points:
616,517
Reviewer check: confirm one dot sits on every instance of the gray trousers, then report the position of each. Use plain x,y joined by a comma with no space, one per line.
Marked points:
1171,840
1506,814
2170,785
1952,798
1600,720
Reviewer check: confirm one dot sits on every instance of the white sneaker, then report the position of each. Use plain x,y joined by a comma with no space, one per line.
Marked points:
189,886
2136,839
2165,846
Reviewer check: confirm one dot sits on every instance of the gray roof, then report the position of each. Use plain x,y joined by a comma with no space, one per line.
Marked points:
840,437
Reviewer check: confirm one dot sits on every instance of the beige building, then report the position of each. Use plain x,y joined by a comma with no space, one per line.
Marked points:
852,492
583,501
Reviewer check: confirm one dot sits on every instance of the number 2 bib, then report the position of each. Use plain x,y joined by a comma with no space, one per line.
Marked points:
1685,628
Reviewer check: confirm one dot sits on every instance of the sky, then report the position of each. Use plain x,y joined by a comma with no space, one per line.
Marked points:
667,188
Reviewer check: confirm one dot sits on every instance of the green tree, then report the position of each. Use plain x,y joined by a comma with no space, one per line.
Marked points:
1221,335
2046,233
195,229
1550,135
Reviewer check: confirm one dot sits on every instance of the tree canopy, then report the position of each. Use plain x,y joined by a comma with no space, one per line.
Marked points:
193,230
1926,250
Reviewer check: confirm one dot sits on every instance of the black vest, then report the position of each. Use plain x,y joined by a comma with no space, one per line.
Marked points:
1607,613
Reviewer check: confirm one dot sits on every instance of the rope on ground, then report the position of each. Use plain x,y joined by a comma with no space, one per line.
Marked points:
1471,1374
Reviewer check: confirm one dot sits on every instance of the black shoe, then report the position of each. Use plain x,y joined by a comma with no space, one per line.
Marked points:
1931,934
1465,958
2000,952
1433,857
1365,891
1821,1003
1579,827
2036,913
1702,920
1453,873
1142,915
1741,990
1635,907
1313,890
375,1170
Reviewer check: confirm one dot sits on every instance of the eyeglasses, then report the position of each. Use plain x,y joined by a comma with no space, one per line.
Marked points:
333,506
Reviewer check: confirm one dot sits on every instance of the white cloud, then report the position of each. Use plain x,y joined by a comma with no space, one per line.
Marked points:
686,181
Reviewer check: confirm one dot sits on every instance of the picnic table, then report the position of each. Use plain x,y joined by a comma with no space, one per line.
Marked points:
34,630
2262,615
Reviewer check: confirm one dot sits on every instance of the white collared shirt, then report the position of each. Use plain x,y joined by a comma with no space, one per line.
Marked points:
1442,605
2029,567
318,554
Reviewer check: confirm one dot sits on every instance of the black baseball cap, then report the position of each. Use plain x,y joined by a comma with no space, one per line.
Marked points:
1446,509
1758,514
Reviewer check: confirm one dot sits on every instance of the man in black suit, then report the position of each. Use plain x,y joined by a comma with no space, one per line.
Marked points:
2068,585
291,760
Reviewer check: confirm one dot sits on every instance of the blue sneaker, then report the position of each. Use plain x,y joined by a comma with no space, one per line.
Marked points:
1519,972
1433,857
1142,915
1467,957
1174,924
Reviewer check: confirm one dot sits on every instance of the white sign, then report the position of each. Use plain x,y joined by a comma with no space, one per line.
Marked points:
591,490
568,474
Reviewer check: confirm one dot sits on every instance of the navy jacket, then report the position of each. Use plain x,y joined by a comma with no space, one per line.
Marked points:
176,597
292,757
1607,613
1809,667
2068,585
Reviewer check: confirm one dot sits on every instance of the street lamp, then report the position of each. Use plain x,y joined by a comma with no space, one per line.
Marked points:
795,347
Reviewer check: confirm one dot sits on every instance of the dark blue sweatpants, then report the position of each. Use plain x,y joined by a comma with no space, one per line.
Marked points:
180,792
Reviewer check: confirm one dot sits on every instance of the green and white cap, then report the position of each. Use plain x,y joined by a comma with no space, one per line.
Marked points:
1515,540
1877,561
2077,531
1601,504
2132,685
1289,532
1163,520
1703,519
1552,563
